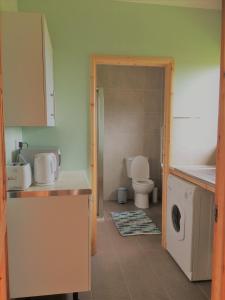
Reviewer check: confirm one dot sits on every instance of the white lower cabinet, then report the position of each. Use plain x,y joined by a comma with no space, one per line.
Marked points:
48,245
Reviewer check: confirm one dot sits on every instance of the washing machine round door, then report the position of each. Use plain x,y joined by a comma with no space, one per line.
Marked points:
178,221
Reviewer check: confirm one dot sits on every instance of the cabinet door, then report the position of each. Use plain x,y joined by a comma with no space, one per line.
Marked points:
23,69
49,81
49,248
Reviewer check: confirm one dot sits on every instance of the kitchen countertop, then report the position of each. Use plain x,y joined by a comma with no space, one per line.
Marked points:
69,183
202,175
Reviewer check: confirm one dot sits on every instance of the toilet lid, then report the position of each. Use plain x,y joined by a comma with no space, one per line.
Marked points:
140,167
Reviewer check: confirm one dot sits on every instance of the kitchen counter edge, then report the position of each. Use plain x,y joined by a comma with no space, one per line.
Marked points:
70,183
33,194
197,181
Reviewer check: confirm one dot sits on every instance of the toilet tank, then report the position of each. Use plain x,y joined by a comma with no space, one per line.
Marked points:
128,165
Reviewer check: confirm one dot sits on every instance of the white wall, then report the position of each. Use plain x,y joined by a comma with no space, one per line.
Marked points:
194,134
12,134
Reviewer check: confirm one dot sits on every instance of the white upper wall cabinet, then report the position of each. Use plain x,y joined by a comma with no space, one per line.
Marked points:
28,84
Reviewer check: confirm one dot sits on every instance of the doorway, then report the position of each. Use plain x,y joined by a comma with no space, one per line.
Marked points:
167,64
130,123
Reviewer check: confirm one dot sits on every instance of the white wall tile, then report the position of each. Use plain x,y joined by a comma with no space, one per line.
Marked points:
133,116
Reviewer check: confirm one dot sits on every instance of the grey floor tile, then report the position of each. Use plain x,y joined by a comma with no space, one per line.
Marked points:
205,287
107,278
85,296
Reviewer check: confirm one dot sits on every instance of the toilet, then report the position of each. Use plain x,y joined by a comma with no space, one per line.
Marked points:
138,170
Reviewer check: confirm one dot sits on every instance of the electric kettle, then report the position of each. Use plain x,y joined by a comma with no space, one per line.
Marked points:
45,168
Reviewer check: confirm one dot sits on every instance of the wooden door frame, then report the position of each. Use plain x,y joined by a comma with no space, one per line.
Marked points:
164,62
4,292
218,276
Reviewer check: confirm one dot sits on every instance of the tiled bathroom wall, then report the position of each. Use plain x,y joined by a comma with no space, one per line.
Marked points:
133,117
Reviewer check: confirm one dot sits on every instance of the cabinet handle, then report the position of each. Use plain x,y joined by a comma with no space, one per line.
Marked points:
52,115
52,94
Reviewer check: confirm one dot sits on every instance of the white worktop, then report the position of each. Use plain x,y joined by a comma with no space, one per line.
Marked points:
203,172
68,183
68,180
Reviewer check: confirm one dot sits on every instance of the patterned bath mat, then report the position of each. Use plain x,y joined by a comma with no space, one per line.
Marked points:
134,223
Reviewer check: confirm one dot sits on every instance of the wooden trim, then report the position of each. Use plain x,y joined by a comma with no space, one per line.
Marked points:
133,61
218,276
168,64
169,69
4,274
3,243
93,157
201,183
2,233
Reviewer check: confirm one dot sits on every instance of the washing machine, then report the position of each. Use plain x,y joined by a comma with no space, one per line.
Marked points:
190,218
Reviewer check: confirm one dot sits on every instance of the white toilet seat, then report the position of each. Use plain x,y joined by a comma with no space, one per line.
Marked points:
144,186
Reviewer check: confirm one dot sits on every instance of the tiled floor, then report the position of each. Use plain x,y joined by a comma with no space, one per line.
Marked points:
137,268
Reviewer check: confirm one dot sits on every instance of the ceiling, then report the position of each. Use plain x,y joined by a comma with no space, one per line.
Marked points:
205,4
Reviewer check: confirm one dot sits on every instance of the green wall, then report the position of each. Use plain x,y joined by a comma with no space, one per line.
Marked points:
8,5
80,28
